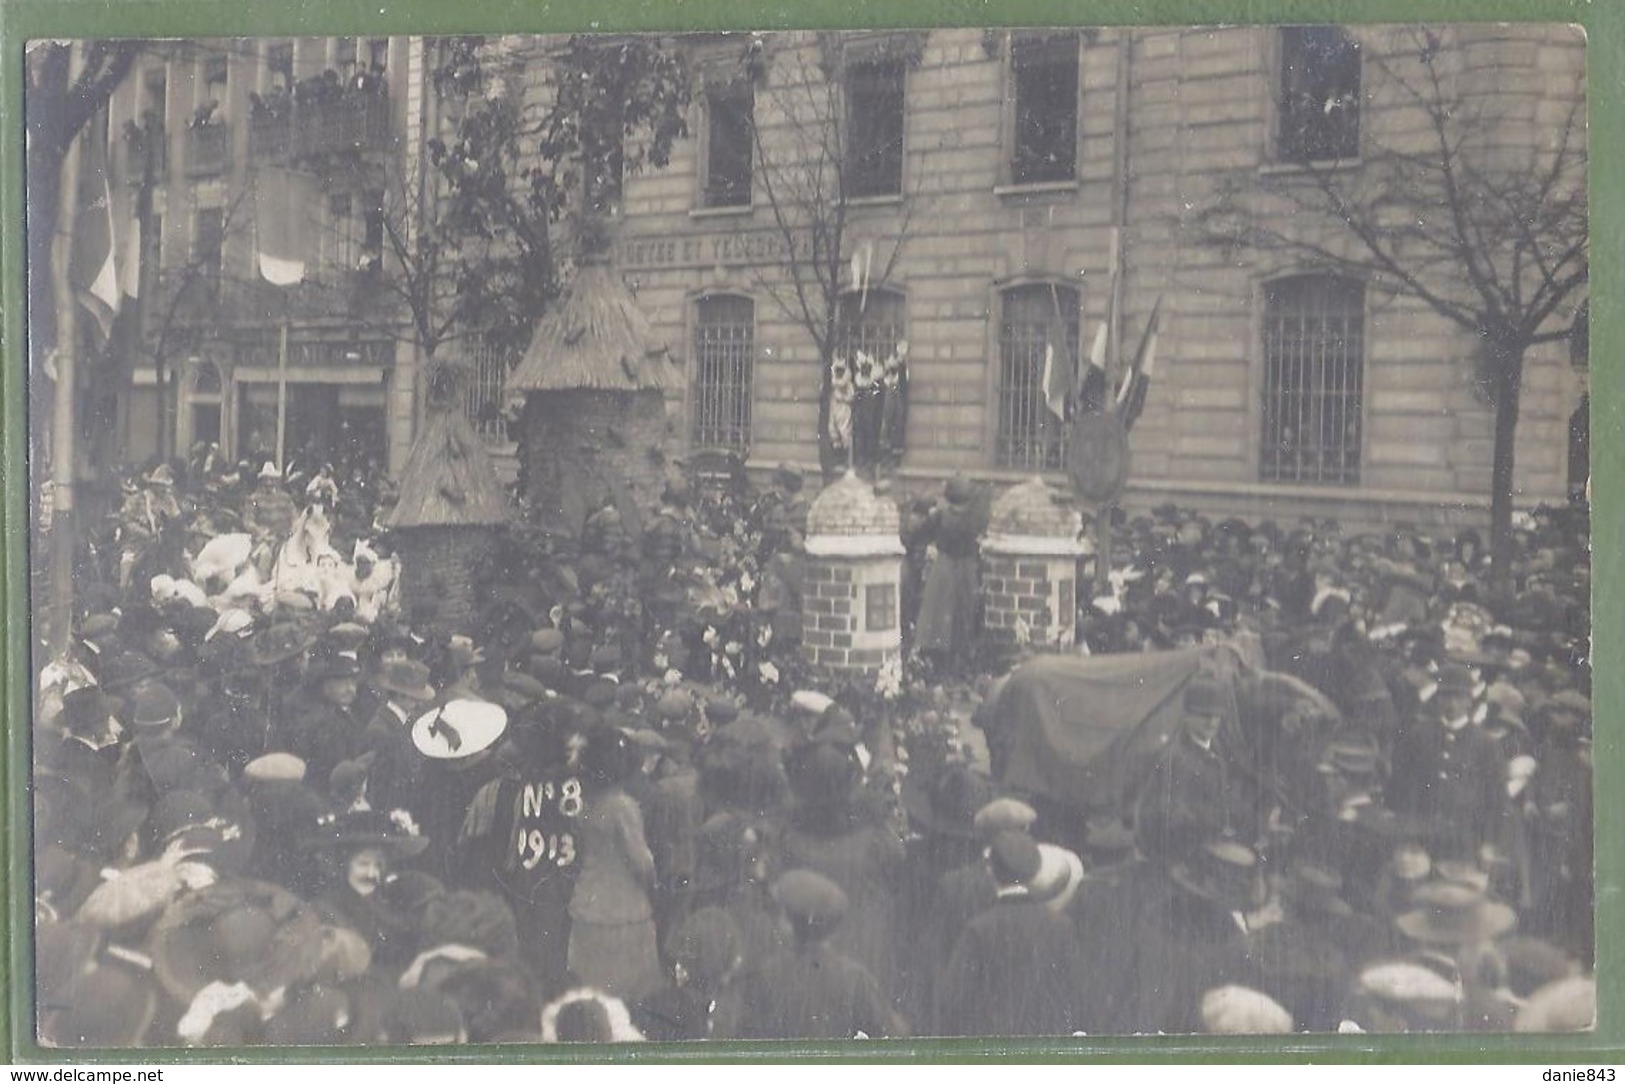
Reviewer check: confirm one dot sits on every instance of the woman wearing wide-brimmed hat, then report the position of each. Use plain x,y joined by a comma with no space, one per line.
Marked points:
364,852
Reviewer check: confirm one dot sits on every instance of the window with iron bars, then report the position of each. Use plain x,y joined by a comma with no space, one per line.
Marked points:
1035,318
1319,102
874,117
873,325
1314,344
724,363
483,397
1044,72
729,152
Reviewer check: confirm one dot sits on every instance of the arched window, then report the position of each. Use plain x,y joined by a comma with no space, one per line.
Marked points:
1314,376
724,369
203,395
1036,321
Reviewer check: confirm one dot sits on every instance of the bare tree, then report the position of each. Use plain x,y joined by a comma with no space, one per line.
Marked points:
1485,226
806,168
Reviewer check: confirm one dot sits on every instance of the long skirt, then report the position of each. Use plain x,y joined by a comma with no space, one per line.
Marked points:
618,958
948,606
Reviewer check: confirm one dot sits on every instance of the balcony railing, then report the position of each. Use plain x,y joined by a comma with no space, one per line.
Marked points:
208,150
270,137
346,124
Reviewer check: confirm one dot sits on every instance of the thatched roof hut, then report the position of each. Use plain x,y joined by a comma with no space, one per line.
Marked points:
596,338
595,379
450,505
449,479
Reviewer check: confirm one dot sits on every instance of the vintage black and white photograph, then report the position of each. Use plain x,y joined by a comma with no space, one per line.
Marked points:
810,535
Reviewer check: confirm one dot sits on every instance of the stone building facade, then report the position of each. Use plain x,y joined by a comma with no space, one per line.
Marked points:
344,116
998,178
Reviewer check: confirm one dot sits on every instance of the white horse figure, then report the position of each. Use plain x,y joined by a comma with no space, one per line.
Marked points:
222,559
301,560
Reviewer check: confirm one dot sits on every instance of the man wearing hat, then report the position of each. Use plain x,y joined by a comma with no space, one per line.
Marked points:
810,990
1168,931
269,513
1196,787
1448,773
404,686
1017,967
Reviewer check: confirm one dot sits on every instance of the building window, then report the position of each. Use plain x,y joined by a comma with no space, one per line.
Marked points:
377,54
343,231
874,118
483,396
344,56
871,325
215,72
724,357
1319,103
208,246
205,397
880,607
1036,320
729,143
1045,84
279,64
1314,350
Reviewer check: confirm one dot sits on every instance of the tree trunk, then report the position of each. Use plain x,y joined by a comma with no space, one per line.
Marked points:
1505,364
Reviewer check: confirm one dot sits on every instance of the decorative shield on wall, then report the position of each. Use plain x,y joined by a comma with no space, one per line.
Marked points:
1097,457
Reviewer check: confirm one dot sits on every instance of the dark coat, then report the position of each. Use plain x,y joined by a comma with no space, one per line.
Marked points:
813,992
1453,782
1017,970
1192,793
1160,947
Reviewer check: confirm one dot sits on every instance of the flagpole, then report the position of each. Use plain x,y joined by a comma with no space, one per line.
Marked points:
1103,514
282,395
63,421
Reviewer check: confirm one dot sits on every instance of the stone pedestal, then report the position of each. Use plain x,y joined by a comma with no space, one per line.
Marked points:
1030,568
850,615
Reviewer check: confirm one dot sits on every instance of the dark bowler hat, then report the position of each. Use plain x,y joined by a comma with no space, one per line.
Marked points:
810,900
86,711
1014,858
155,706
405,677
279,643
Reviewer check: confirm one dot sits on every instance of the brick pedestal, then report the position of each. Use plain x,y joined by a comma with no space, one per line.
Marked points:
850,616
1029,568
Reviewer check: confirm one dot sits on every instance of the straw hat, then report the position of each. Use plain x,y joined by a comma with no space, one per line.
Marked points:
459,729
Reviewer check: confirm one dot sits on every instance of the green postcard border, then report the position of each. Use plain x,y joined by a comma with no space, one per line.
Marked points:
21,20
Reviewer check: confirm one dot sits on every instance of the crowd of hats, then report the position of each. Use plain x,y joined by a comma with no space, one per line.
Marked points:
192,832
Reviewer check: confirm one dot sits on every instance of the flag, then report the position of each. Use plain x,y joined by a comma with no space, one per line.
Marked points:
1131,396
284,202
1092,393
1056,384
92,262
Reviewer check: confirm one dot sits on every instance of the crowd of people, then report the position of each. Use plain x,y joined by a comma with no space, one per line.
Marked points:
276,804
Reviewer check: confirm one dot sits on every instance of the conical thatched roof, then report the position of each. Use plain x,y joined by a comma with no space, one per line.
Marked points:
595,338
449,480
